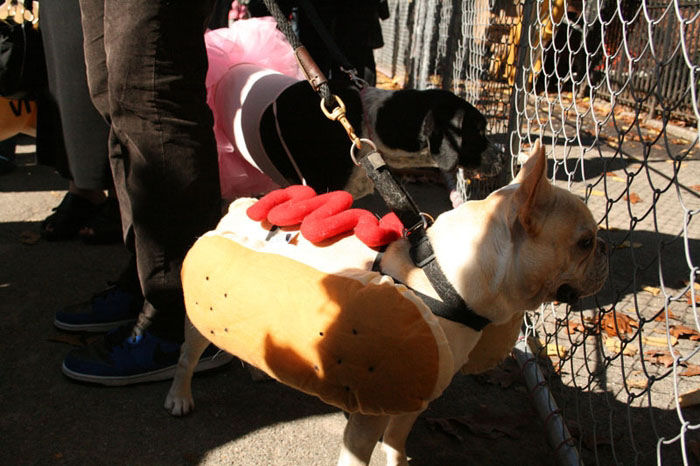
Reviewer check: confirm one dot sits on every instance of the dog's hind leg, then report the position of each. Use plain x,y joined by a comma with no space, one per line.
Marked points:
360,437
395,435
179,400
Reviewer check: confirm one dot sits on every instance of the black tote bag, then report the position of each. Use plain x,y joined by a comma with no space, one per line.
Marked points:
22,66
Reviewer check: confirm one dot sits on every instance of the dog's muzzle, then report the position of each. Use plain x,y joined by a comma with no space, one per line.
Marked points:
491,163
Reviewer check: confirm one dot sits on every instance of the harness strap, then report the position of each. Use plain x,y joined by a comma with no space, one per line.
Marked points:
451,306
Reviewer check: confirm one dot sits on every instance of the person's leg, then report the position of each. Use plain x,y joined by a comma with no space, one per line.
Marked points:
146,74
166,165
83,132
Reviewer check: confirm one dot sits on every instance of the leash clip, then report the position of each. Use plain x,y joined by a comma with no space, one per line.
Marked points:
338,114
374,157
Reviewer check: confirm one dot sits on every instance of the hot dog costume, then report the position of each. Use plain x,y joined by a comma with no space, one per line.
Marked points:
314,316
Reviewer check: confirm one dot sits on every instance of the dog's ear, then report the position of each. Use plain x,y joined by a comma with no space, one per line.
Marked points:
534,189
441,147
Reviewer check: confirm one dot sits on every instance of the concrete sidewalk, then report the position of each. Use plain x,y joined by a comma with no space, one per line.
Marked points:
48,419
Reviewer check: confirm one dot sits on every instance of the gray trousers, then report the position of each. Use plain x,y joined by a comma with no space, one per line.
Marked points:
83,132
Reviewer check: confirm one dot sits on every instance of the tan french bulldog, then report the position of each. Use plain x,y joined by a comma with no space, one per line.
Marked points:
527,243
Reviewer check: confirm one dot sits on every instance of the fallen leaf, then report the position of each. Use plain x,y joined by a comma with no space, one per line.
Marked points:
505,375
681,331
74,339
552,349
487,423
590,440
696,187
652,289
638,383
689,398
629,244
445,426
614,322
660,341
615,346
691,370
29,237
662,316
679,141
575,327
659,357
633,198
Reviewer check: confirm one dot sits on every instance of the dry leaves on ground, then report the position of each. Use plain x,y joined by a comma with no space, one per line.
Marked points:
616,346
633,198
588,438
74,339
484,422
691,370
615,324
661,317
505,375
689,399
683,331
659,357
29,237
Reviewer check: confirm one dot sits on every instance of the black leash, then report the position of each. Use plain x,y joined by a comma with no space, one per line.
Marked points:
335,52
394,195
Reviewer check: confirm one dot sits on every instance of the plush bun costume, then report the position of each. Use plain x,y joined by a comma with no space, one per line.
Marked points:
313,315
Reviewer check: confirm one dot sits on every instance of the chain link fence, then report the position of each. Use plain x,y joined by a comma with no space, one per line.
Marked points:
611,87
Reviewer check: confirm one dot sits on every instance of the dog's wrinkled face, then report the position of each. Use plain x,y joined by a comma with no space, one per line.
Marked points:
555,238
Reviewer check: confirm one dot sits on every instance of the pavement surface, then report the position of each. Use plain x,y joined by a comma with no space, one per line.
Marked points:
47,419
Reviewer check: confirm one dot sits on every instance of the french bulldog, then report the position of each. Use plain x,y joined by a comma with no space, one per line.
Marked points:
525,244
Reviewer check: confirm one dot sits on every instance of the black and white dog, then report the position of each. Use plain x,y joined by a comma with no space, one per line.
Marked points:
277,124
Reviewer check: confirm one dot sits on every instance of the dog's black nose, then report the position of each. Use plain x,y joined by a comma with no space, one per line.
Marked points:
567,294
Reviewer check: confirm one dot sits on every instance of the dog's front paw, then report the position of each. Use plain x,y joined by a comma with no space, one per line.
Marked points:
179,405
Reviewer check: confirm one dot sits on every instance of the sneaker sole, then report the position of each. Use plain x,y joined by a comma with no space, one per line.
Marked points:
93,327
166,373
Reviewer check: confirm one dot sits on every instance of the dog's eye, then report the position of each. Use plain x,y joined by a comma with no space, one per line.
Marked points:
585,243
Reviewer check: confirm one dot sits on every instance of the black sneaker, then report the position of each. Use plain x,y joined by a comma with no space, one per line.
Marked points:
106,310
122,359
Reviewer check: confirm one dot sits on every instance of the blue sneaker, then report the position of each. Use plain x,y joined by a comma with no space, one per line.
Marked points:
106,310
121,359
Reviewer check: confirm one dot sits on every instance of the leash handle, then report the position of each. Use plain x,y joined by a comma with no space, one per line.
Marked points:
308,66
